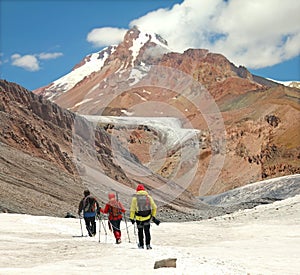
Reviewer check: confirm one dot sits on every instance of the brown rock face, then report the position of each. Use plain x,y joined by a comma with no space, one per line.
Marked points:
37,126
39,170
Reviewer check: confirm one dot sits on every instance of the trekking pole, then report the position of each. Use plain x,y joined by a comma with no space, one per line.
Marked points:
81,226
104,227
99,218
117,195
126,227
134,229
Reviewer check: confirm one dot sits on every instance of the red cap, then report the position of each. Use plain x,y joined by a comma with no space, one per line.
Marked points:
140,187
111,195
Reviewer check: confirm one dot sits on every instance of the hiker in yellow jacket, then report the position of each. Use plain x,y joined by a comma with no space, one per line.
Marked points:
142,209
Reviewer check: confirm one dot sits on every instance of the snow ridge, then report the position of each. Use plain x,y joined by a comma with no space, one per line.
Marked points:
93,63
142,39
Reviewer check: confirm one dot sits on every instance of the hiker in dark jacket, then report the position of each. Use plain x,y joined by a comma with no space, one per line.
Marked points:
114,208
89,206
142,209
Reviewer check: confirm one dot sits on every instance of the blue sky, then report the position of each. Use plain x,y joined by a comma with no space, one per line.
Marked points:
42,40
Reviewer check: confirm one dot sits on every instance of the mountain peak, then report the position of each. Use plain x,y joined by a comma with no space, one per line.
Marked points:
135,32
137,47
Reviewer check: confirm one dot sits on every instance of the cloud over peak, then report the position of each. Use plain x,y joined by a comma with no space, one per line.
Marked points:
256,33
106,36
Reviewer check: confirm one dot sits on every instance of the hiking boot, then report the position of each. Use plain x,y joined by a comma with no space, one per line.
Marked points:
140,246
89,231
118,241
148,246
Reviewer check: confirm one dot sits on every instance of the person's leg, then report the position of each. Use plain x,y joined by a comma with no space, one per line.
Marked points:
140,228
116,229
118,224
88,225
147,234
93,225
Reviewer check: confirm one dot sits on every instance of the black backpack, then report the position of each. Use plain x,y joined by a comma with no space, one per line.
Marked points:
143,205
89,204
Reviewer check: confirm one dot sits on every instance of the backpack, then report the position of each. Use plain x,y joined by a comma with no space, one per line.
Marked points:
89,204
143,205
115,209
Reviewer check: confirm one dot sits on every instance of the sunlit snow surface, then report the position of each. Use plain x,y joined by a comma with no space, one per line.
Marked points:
93,64
262,240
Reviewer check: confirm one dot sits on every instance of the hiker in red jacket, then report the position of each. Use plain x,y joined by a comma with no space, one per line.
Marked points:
114,208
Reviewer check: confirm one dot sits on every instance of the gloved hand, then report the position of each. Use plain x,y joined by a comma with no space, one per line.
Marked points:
156,221
132,221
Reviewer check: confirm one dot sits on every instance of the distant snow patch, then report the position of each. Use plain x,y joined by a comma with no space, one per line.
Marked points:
83,101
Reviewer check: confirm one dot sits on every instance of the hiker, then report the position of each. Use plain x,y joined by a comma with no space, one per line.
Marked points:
142,209
115,209
89,206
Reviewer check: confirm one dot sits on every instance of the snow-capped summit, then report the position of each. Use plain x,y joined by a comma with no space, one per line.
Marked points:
140,39
137,46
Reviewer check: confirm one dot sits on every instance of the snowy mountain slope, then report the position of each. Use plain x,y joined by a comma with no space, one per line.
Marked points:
91,63
261,192
263,240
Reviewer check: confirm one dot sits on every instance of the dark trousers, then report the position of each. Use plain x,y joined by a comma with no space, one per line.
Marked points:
115,224
144,228
90,223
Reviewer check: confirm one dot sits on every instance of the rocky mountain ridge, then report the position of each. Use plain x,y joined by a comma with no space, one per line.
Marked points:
39,173
141,76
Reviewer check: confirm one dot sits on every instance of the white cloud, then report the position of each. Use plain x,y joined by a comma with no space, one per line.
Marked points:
254,33
27,62
31,62
106,36
264,33
46,56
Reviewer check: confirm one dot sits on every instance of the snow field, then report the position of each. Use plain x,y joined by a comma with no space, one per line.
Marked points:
262,240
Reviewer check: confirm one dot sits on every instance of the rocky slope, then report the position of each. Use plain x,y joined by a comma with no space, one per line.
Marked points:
39,172
142,77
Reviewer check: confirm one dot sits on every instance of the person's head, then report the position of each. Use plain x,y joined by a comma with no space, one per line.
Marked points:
111,196
140,187
86,192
